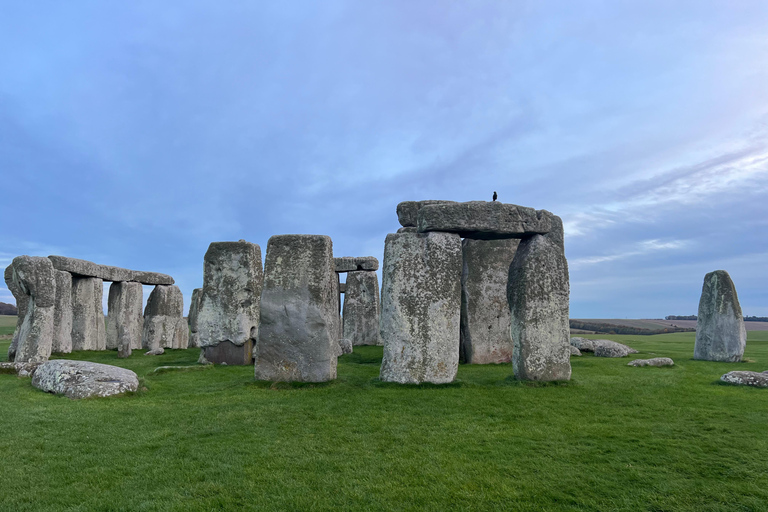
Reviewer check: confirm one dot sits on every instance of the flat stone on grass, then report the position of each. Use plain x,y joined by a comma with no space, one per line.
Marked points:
83,379
746,378
656,361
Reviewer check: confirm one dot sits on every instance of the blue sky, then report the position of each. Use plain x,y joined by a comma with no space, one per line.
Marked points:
136,133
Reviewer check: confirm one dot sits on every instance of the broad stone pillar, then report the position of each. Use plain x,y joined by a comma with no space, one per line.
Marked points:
361,308
537,292
125,322
420,307
34,276
485,325
165,307
62,315
720,331
194,308
22,299
228,317
298,334
88,329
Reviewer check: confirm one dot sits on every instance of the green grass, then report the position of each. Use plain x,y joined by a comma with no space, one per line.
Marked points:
614,438
7,325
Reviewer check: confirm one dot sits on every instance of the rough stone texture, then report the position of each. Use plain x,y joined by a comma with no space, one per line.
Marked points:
229,353
421,307
83,268
229,303
20,369
35,278
486,220
537,291
656,361
125,321
608,348
408,229
575,351
745,378
181,335
720,331
194,339
62,313
165,307
88,329
83,379
583,344
345,345
351,264
485,321
298,335
194,309
407,211
361,309
22,299
155,352
342,287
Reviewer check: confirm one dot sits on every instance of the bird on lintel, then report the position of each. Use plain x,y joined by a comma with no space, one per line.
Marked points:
495,196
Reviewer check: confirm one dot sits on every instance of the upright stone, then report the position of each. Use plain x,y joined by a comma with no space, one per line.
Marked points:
194,308
361,309
228,317
420,307
125,322
22,299
298,334
88,314
485,323
720,331
537,292
34,276
165,307
62,314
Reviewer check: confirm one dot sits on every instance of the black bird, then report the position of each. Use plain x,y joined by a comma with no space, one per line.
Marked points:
494,195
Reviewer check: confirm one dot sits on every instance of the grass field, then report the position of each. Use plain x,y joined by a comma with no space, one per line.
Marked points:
614,438
654,324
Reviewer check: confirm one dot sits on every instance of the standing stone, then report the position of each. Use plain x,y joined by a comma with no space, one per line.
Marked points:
22,299
125,322
485,322
420,307
537,292
165,307
194,308
720,331
345,347
361,309
34,276
228,317
181,335
298,334
62,314
88,330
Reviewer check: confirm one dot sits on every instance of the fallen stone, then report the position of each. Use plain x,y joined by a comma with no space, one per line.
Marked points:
656,361
165,307
407,211
608,348
720,331
485,220
421,307
125,321
83,379
298,332
350,264
62,313
35,277
583,344
575,351
20,369
746,378
485,322
361,309
22,299
88,329
83,268
155,352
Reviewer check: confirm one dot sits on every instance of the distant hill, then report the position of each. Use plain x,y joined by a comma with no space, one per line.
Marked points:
8,309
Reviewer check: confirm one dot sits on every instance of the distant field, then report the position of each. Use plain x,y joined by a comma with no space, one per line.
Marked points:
7,325
661,324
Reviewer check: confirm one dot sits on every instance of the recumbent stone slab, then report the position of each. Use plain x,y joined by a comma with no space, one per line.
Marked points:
352,264
407,211
656,361
165,307
125,321
486,220
361,309
747,378
88,328
608,348
83,268
35,278
83,379
720,331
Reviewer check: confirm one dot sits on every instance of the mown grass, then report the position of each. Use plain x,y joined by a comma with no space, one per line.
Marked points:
614,438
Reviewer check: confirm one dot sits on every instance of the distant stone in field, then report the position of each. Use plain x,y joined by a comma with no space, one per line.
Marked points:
575,351
485,220
608,348
746,378
583,344
83,379
485,319
720,331
194,308
125,321
407,212
352,264
35,277
299,330
155,352
361,309
656,361
165,307
21,306
421,307
88,329
62,313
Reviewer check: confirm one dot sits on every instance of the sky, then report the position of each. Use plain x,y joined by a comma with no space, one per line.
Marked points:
136,133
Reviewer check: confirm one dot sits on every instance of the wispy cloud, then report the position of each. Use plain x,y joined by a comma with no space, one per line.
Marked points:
638,249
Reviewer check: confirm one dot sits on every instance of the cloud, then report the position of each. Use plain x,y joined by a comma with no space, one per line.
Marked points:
640,248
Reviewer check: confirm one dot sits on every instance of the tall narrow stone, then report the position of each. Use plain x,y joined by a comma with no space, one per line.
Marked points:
194,308
62,314
165,307
720,331
485,325
420,307
361,308
34,277
88,329
228,317
125,321
537,292
298,334
22,299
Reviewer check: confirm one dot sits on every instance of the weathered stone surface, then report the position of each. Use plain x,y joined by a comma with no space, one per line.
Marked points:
537,291
181,335
83,268
229,303
194,309
22,299
583,344
575,351
361,309
228,353
155,352
345,345
408,229
88,329
608,348
20,369
62,313
485,220
165,307
745,378
485,321
407,211
720,331
35,278
125,321
298,335
656,361
83,379
194,339
421,307
352,264
342,287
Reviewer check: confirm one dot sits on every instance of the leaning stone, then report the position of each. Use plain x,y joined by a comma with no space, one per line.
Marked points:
485,220
421,307
83,379
575,351
88,329
62,314
22,299
351,264
155,352
35,277
164,308
125,321
745,378
608,348
83,268
583,344
720,331
361,309
485,321
20,369
656,361
407,211
298,334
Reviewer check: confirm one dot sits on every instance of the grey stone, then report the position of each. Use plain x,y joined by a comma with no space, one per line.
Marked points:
352,264
575,351
155,352
22,299
537,292
345,345
125,321
485,220
62,313
608,348
407,211
746,378
342,287
194,340
720,331
229,303
88,329
194,309
202,359
83,379
229,353
35,277
181,335
408,229
583,344
420,307
20,369
298,335
485,322
165,307
83,268
656,361
361,309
